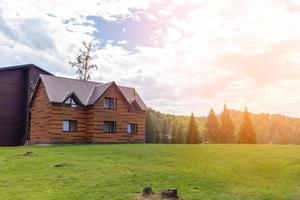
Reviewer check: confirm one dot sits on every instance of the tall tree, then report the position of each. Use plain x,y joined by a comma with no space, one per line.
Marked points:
227,127
213,127
247,133
174,133
181,137
83,63
150,128
192,136
165,137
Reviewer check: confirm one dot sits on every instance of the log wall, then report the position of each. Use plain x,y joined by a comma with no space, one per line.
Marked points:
47,119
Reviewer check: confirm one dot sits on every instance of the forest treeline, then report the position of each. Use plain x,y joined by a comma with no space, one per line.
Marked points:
230,126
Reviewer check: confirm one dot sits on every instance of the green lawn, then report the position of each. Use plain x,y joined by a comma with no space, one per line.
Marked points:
120,171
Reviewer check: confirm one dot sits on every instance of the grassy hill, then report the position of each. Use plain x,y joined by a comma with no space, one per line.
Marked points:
120,171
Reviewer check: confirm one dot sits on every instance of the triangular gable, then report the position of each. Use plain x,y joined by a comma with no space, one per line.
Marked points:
71,95
97,92
140,102
100,94
135,103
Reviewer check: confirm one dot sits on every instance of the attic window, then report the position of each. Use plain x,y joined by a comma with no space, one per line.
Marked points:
71,102
131,108
110,103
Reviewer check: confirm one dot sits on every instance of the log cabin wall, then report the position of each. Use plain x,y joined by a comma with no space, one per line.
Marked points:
121,116
61,113
31,79
47,119
41,111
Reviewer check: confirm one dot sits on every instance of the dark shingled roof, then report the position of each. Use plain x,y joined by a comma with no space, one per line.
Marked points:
25,66
59,89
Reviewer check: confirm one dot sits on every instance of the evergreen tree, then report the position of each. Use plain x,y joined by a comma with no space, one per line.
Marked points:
174,133
181,137
247,133
150,128
277,129
205,138
165,137
192,136
227,127
213,127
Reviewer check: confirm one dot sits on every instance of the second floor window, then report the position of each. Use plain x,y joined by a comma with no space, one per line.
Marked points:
131,128
69,126
71,102
110,127
131,109
110,103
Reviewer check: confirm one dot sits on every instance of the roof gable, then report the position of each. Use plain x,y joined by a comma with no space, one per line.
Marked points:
73,96
87,93
132,96
97,92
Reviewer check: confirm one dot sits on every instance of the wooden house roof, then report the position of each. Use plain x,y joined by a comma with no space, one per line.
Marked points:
58,89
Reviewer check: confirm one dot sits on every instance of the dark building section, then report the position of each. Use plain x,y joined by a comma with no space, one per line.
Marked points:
16,87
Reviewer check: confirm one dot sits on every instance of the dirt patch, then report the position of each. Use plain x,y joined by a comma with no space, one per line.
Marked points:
28,154
152,197
61,165
149,194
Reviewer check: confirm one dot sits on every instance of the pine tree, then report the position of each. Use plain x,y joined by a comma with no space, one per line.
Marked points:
227,127
192,136
174,133
180,131
204,137
157,137
213,127
150,132
152,127
247,133
84,59
165,137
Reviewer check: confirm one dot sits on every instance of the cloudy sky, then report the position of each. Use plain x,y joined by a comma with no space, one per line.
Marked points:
183,56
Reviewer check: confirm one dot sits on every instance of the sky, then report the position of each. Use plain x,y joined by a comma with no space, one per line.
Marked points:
182,56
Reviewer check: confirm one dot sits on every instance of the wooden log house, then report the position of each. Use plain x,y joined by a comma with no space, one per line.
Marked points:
66,110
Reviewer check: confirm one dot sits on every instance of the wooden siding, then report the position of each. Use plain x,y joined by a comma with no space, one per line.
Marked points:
40,117
121,116
46,121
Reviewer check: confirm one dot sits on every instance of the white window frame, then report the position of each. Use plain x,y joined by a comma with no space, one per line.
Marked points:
71,102
67,125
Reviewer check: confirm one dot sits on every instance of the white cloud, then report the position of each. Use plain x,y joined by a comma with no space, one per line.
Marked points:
211,52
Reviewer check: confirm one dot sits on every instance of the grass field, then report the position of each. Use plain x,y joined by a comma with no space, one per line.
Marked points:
120,171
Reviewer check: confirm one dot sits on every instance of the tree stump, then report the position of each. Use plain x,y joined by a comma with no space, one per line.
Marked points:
147,192
169,193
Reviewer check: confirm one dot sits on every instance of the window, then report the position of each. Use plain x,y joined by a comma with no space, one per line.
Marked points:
131,128
69,126
110,103
71,102
109,127
131,108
